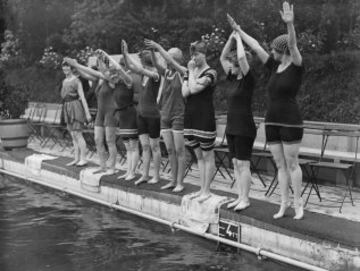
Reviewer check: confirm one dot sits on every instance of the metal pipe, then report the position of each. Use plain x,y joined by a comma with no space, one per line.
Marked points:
257,251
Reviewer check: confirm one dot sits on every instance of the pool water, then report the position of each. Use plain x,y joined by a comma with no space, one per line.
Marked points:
41,229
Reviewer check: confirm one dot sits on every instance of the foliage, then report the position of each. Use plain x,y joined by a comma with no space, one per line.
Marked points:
44,31
10,50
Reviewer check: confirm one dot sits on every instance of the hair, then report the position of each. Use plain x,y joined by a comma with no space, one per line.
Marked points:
64,64
145,57
232,55
198,46
177,54
281,44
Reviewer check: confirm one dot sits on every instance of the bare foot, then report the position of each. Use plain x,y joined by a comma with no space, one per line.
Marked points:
143,179
81,163
282,210
299,210
168,186
242,205
130,177
123,176
233,203
179,188
111,171
153,181
72,163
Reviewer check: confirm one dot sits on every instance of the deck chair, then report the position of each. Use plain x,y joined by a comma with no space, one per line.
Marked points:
52,124
36,121
347,168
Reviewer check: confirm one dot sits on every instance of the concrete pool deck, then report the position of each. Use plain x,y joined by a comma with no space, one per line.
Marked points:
321,239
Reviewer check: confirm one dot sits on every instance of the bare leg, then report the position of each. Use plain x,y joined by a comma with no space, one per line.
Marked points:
100,148
155,148
111,142
134,157
76,150
283,176
237,179
128,159
245,181
201,166
170,147
209,161
145,144
291,156
180,155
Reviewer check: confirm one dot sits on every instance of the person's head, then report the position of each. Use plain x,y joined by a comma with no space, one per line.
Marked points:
145,58
176,54
67,70
198,51
113,75
280,47
233,59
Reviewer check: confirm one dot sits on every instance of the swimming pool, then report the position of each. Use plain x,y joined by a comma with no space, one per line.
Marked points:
41,229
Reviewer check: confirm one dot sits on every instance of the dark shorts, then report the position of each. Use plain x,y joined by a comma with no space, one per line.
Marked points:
150,126
240,147
176,123
105,119
126,123
278,134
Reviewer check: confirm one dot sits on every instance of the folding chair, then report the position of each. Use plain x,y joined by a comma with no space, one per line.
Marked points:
257,157
52,123
36,121
29,111
347,168
89,138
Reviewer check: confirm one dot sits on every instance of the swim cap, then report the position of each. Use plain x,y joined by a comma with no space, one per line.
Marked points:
198,46
280,43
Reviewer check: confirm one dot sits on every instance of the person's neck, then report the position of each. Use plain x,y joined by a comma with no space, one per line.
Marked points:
68,76
201,68
286,60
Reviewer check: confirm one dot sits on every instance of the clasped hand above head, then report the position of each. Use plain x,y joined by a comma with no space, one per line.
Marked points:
233,23
150,44
70,61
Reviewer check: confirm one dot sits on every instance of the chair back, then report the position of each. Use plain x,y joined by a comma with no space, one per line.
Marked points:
29,111
52,113
38,113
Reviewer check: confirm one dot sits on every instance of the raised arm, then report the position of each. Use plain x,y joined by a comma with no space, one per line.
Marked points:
155,61
196,85
225,63
251,42
123,74
287,15
168,58
241,56
87,76
135,67
83,69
